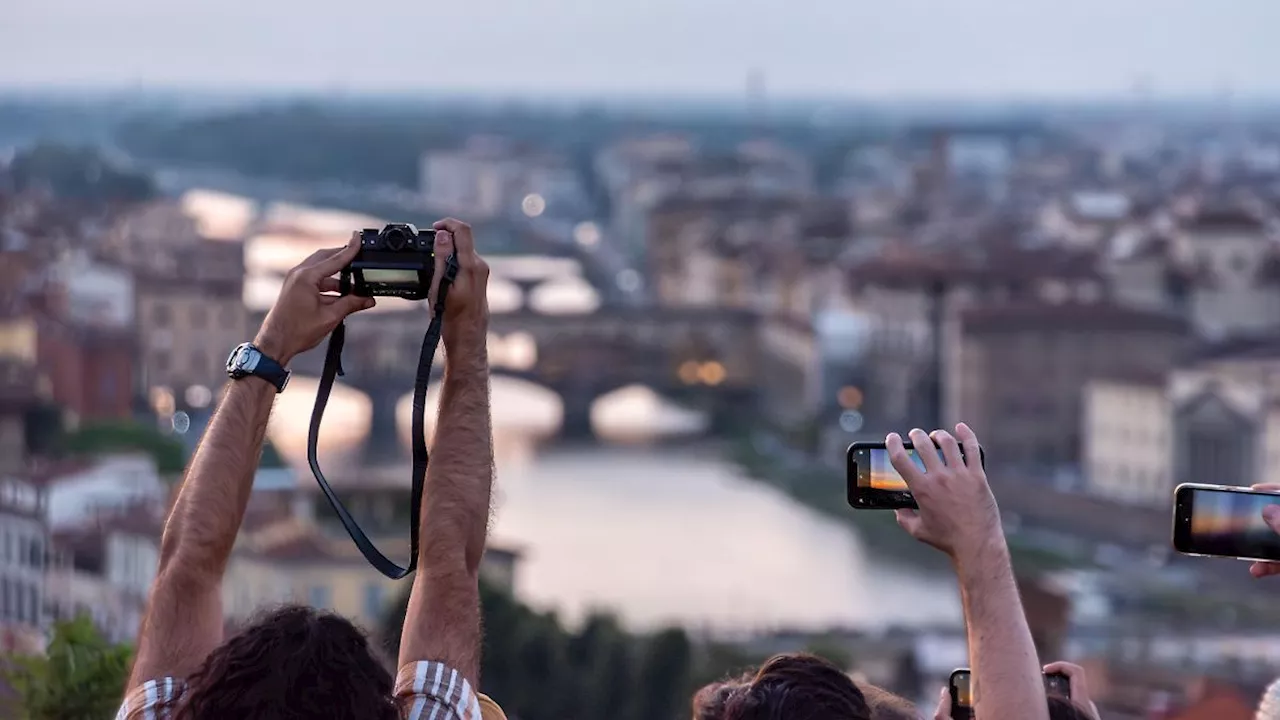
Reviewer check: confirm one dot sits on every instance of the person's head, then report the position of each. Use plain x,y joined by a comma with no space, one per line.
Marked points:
1061,708
804,687
293,662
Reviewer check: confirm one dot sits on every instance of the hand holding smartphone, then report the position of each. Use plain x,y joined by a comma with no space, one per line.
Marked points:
959,686
871,481
1224,521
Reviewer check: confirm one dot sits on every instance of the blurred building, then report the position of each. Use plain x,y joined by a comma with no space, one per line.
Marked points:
104,568
492,177
23,542
1216,418
188,290
1020,370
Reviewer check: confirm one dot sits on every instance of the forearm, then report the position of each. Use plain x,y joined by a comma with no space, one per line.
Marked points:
202,526
1006,671
443,618
455,515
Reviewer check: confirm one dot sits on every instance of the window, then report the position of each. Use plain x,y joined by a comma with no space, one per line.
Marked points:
6,602
161,315
374,598
160,361
319,596
199,316
33,605
36,555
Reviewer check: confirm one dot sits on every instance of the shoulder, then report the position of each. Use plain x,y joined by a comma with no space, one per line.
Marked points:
152,699
426,689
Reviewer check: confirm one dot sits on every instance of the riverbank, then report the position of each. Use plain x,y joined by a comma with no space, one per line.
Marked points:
821,487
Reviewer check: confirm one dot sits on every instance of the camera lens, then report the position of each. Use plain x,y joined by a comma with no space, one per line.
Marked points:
395,238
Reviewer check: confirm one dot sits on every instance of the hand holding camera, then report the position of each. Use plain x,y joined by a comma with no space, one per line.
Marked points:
957,512
303,315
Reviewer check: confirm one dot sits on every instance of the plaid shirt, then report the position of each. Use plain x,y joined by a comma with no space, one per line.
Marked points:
425,690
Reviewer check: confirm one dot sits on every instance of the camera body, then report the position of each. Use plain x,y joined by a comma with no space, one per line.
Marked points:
396,261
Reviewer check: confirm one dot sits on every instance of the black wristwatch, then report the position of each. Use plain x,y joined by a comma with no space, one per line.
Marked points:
247,360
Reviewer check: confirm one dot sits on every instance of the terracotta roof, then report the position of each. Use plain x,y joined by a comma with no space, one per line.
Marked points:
1070,317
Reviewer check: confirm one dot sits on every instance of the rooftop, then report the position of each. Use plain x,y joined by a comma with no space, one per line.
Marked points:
1069,317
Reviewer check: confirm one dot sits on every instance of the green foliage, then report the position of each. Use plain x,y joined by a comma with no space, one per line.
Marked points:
539,670
96,438
82,676
831,650
270,456
80,174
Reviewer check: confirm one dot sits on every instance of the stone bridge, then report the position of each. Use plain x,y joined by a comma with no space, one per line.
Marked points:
710,354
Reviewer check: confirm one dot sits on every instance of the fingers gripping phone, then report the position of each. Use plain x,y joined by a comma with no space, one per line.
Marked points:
1224,521
871,481
960,688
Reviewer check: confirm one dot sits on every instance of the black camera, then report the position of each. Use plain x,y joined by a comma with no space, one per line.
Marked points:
396,261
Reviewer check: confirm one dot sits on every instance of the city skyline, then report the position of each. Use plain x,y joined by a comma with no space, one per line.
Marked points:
981,49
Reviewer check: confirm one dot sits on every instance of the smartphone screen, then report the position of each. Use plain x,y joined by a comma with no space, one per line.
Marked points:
1224,522
883,476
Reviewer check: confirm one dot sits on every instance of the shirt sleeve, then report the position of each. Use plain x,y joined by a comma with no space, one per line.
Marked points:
428,690
153,700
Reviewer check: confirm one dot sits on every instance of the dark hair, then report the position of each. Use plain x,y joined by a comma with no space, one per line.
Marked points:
293,662
792,686
1061,708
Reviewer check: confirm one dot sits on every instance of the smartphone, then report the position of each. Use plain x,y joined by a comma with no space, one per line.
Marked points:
1224,521
873,484
962,694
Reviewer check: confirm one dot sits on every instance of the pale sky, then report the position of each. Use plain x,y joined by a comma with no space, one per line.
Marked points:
903,48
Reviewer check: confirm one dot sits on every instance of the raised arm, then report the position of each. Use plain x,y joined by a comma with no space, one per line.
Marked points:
183,621
958,515
442,624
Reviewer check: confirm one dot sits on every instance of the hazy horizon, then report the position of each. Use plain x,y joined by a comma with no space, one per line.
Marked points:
909,50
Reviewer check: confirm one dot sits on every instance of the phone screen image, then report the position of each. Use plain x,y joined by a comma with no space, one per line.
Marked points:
883,476
1230,524
964,695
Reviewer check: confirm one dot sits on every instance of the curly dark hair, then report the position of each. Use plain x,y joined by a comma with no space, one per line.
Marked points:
791,686
293,662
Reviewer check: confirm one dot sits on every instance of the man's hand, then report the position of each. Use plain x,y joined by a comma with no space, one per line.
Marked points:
302,316
958,513
1271,514
467,304
1079,680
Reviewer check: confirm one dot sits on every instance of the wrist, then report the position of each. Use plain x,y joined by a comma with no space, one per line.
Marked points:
982,556
271,346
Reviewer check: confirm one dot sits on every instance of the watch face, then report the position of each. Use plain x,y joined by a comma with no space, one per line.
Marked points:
242,360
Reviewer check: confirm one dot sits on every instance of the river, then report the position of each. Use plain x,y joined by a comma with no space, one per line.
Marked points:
653,531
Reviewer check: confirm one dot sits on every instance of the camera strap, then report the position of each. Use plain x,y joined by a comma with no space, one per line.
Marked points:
333,369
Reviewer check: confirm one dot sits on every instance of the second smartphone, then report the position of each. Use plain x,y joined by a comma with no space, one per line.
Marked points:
1224,521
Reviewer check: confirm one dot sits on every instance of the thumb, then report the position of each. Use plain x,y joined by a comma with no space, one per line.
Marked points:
944,706
343,306
1271,514
910,521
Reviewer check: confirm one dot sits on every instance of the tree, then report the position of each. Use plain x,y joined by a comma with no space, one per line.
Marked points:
539,670
664,677
104,437
81,677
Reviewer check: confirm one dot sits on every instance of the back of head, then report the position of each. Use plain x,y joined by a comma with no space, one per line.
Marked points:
1061,708
794,687
293,662
1269,708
